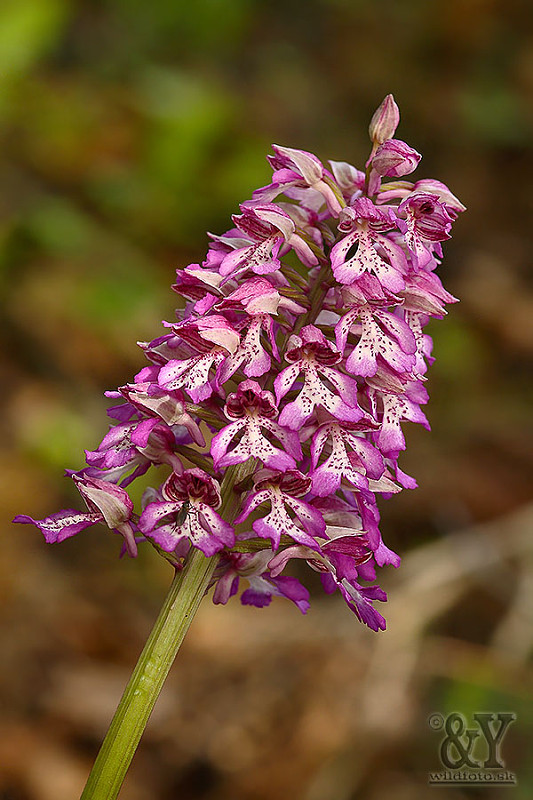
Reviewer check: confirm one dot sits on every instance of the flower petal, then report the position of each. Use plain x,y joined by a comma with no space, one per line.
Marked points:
62,525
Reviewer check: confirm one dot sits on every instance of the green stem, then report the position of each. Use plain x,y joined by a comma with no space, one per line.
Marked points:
316,298
185,594
141,693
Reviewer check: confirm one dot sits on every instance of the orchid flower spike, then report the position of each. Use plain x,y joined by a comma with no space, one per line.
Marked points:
275,402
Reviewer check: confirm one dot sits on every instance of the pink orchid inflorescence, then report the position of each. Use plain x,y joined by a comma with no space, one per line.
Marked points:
276,398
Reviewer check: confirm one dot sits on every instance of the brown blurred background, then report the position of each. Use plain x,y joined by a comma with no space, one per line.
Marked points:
128,129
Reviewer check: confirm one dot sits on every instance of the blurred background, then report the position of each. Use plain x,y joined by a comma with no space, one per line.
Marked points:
129,129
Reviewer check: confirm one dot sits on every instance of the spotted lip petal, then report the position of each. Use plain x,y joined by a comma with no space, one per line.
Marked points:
385,337
367,258
253,568
312,355
340,466
282,490
62,525
252,410
192,375
169,522
251,354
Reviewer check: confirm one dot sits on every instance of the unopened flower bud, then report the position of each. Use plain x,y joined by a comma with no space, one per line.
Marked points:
395,158
385,121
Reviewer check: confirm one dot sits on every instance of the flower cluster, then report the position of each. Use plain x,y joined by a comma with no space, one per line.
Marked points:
277,396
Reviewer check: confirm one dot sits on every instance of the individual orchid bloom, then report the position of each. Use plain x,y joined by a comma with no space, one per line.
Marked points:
350,180
395,158
192,374
427,221
364,223
252,567
187,511
283,490
298,169
394,409
195,282
106,502
135,445
268,227
252,411
342,561
383,335
312,355
148,398
259,299
354,468
339,564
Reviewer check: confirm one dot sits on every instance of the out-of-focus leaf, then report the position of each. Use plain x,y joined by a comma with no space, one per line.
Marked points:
494,114
205,24
28,29
54,435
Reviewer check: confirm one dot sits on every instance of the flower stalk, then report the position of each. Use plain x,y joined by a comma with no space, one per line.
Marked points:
119,746
144,687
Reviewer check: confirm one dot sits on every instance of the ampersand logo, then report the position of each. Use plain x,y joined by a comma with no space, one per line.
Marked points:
458,742
475,749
